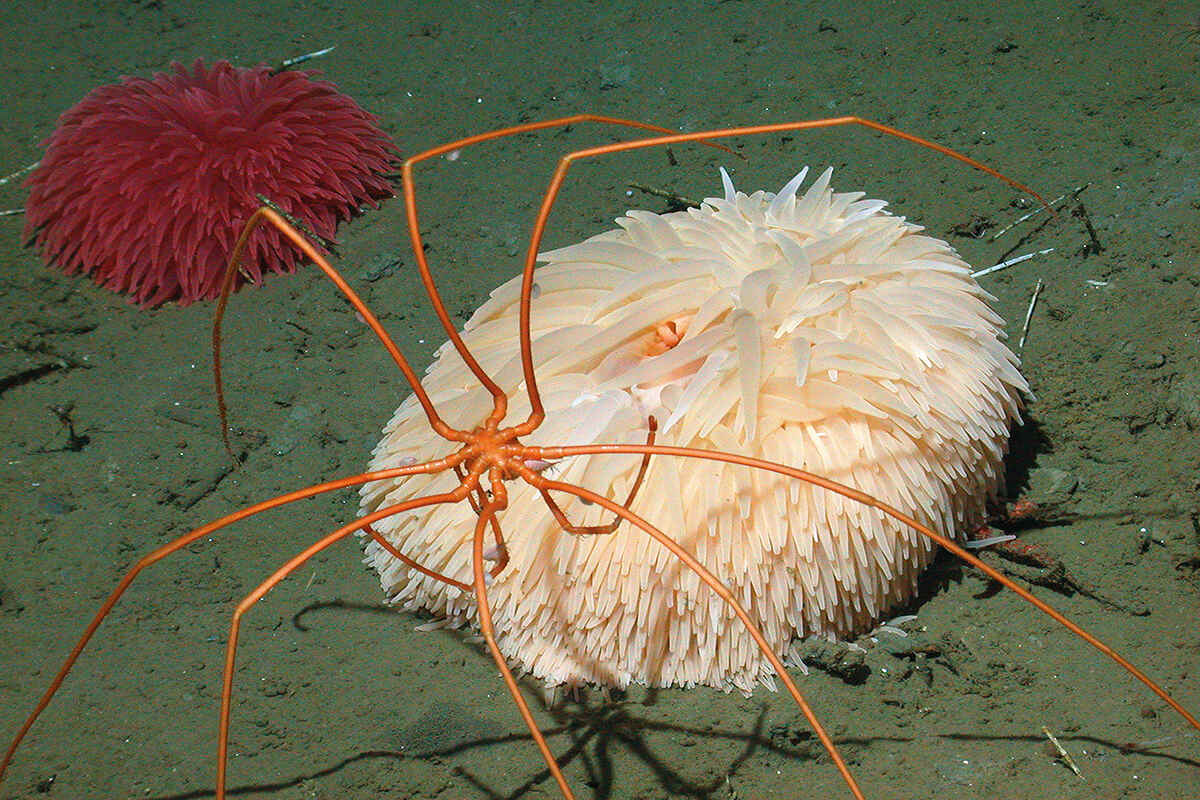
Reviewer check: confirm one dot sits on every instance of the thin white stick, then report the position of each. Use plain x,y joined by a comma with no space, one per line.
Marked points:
988,541
1010,262
1024,217
1062,753
1029,315
288,63
1038,210
19,173
11,212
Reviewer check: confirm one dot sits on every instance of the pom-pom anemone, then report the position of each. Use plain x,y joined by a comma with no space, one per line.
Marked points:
815,330
146,183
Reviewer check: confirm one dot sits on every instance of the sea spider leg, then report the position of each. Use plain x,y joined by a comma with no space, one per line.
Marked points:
500,399
187,539
266,214
603,530
498,502
410,563
292,564
537,412
860,497
469,488
722,591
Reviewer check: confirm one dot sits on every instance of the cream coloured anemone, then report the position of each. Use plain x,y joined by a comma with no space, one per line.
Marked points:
816,330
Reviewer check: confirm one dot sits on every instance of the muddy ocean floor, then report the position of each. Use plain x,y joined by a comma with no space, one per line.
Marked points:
339,696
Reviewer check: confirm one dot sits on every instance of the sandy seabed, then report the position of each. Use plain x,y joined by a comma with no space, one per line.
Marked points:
337,695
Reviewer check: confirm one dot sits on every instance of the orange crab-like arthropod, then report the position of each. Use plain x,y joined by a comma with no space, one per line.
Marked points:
453,469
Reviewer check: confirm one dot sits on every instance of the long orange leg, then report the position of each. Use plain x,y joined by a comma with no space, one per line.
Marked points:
500,399
852,494
278,575
727,596
487,514
537,412
604,530
182,542
468,482
269,215
498,502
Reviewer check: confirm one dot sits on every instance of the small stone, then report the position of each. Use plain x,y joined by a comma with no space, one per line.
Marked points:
1149,360
1050,485
615,75
1183,402
55,504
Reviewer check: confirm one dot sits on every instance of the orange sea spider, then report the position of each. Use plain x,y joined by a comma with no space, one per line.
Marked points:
488,455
